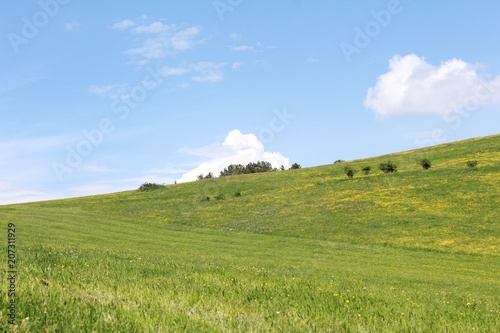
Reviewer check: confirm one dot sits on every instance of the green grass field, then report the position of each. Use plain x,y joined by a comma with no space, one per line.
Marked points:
307,250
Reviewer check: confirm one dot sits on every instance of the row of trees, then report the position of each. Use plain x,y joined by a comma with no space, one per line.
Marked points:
252,167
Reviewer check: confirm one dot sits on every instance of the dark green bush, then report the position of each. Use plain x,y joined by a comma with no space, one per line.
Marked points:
237,194
150,186
208,176
388,167
295,166
472,163
349,171
366,170
425,163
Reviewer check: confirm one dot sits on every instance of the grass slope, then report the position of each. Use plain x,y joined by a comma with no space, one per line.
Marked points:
300,250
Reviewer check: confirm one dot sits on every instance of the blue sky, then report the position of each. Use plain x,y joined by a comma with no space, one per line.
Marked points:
100,97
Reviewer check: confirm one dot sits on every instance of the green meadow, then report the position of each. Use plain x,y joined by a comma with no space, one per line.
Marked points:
306,250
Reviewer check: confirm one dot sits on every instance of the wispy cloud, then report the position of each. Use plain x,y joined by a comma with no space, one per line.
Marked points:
103,89
209,76
17,192
236,64
208,71
312,60
153,28
169,71
123,25
256,47
243,48
156,40
185,39
412,85
204,71
234,36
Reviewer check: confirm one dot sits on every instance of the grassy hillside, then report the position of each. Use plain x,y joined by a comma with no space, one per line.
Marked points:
299,250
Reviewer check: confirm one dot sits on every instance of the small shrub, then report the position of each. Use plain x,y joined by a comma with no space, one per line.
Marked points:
150,186
338,161
220,196
295,166
205,199
208,176
472,163
237,194
349,171
388,167
366,170
425,163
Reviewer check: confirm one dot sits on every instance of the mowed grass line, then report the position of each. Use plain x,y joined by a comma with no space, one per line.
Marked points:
146,279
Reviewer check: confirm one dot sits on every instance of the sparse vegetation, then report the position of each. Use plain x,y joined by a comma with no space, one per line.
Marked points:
388,167
208,176
150,186
349,171
425,163
472,164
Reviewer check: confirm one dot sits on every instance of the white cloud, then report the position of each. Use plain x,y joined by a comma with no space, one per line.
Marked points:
156,40
208,71
206,65
154,48
103,89
185,39
205,71
153,28
414,86
209,76
243,48
168,71
237,148
122,25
